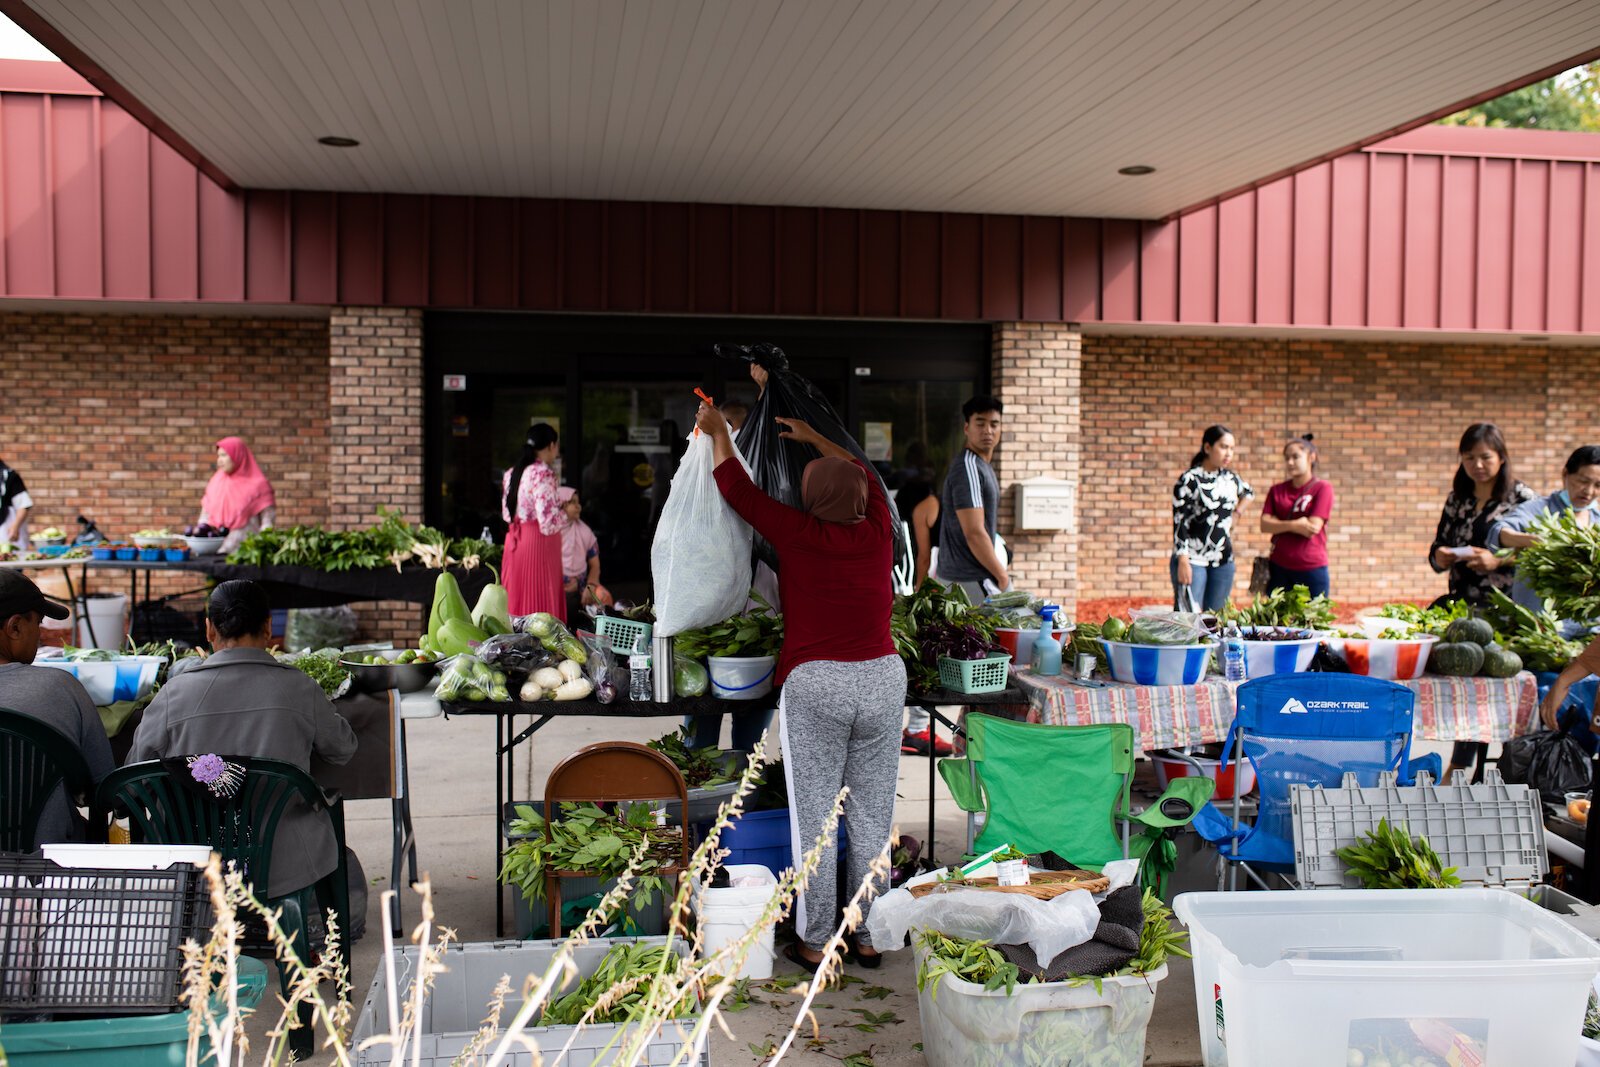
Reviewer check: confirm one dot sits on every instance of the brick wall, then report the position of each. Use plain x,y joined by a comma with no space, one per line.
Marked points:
1387,418
116,416
375,436
1036,372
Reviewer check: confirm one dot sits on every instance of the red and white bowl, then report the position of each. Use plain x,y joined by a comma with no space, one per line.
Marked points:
1387,658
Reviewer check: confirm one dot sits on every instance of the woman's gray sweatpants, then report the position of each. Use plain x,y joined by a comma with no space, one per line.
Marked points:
840,725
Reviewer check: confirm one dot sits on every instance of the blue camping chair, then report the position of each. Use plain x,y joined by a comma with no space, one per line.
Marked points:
1305,729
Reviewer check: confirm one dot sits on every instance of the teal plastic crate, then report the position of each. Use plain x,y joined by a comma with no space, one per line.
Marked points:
973,676
134,1041
623,634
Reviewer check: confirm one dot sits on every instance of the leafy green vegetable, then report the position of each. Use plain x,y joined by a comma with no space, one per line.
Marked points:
587,838
972,961
929,614
1433,621
323,668
639,965
1563,566
754,633
702,768
389,543
1535,636
1293,607
1388,858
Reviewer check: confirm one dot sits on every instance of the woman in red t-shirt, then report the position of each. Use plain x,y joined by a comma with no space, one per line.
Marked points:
843,685
1296,514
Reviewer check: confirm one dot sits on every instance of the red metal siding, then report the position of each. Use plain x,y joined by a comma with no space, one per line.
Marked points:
1439,228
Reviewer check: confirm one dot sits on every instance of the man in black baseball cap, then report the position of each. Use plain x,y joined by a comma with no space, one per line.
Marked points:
52,696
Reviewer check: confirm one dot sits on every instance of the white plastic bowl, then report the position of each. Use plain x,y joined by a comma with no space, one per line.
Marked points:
204,546
1263,658
1392,660
1157,664
1375,626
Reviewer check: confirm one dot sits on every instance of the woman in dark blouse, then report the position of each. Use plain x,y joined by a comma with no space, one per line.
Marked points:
1483,491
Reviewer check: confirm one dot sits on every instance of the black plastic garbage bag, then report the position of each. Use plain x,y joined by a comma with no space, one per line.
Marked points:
1550,761
776,465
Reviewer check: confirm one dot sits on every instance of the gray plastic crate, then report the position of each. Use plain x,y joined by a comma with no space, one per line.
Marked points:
1492,833
459,1002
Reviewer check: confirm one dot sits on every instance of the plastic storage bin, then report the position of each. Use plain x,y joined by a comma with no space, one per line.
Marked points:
763,837
1304,977
143,1041
987,675
965,1025
622,633
456,1007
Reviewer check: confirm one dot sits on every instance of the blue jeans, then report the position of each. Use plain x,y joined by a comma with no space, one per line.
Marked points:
748,726
1211,586
1315,580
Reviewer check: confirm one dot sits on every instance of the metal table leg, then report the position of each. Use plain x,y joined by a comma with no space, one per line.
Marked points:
72,599
506,742
405,839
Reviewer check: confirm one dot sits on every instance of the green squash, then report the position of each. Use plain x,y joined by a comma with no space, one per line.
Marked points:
1457,659
1476,631
1501,663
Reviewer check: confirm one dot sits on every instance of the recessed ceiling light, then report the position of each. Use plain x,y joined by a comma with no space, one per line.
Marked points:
338,142
1136,170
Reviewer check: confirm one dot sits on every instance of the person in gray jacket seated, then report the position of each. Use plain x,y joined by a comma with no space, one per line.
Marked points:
242,702
52,696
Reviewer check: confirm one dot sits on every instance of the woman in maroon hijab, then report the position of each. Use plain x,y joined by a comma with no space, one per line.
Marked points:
843,685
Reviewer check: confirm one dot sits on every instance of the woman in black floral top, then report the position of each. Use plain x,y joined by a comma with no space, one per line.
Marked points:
1203,503
1483,491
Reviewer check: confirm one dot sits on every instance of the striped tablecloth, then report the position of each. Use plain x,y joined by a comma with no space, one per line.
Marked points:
1448,709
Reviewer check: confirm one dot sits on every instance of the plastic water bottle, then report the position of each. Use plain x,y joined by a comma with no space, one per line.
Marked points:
639,672
1233,662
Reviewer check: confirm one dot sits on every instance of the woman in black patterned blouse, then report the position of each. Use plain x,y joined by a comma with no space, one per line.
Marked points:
1203,503
1483,491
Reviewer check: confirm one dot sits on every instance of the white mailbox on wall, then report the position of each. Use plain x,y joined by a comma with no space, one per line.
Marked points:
1045,504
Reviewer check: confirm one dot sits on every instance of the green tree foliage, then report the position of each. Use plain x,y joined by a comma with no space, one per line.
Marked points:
1568,101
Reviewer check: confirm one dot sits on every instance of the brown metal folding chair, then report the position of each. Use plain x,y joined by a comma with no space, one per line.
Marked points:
611,771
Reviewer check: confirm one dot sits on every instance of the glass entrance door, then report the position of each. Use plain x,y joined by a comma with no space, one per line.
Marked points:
910,430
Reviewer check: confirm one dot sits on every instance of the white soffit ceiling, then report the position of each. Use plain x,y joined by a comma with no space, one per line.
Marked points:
1025,107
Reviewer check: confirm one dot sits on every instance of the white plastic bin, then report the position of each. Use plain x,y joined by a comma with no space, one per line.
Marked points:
741,677
107,615
124,678
1305,977
125,857
728,914
965,1025
459,1001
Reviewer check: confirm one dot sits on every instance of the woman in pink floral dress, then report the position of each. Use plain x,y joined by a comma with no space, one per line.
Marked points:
531,571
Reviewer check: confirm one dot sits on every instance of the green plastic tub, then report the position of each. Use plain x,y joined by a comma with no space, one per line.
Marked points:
133,1041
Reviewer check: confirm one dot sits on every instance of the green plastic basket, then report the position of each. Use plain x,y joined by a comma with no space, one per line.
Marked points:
974,675
622,633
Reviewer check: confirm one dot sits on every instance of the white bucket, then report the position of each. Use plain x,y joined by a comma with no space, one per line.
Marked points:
741,677
728,914
106,614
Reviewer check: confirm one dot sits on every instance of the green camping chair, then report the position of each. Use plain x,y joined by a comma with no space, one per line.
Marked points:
1068,790
164,810
35,757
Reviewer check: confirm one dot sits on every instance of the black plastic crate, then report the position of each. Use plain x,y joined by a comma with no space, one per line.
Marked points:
91,941
180,617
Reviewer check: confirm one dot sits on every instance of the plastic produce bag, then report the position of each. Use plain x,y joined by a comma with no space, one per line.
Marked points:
1049,927
319,628
1166,628
1550,761
700,559
689,678
601,668
777,465
469,678
519,655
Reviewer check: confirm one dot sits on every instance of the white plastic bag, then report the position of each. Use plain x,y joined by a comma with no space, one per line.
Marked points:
1049,927
700,559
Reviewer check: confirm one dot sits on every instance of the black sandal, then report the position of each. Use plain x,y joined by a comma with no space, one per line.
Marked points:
791,952
870,963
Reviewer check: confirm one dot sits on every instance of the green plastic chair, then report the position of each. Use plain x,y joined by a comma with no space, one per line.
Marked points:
35,757
1068,790
164,810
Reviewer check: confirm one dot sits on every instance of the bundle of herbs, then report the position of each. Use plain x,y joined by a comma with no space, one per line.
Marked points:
1563,566
634,967
590,839
1430,620
393,541
1389,858
702,768
754,633
932,622
1533,635
1294,607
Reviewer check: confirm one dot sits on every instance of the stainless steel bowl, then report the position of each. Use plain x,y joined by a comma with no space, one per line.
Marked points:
406,677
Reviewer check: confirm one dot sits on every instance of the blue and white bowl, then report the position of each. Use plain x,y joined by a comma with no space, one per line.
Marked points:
1262,658
1157,664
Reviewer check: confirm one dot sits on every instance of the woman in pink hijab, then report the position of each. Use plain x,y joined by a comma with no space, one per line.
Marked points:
238,497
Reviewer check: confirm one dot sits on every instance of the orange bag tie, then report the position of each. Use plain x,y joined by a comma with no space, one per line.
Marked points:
702,395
